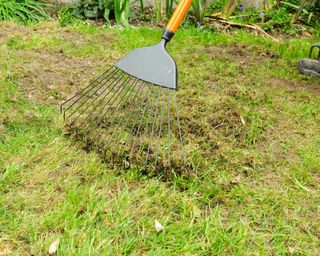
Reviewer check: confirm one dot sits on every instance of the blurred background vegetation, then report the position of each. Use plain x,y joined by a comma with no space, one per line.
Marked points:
292,17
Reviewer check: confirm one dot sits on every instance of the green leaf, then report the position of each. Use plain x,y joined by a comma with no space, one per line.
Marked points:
106,16
91,13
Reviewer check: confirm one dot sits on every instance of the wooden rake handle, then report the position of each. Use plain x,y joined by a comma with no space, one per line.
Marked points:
178,15
176,19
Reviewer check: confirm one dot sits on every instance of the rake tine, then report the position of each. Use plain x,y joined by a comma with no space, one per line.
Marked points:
144,108
124,116
121,100
152,129
168,94
179,127
117,93
80,105
110,106
145,131
138,131
81,92
158,141
113,85
115,118
136,114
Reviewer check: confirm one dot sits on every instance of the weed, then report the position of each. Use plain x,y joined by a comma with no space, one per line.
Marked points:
158,11
279,19
65,17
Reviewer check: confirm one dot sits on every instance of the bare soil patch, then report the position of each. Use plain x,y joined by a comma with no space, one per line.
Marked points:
8,30
301,85
52,76
49,74
242,54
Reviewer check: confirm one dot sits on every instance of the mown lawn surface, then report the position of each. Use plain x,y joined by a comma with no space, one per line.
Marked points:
251,129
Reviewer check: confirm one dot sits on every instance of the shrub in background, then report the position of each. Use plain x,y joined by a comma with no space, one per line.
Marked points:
278,19
284,16
94,9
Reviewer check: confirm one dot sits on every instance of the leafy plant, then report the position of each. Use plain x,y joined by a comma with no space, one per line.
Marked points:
285,16
225,7
94,9
308,11
158,11
169,5
65,17
142,8
215,6
229,6
278,19
198,10
21,11
317,31
121,11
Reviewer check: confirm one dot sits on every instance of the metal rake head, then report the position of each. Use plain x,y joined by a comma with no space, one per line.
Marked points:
128,121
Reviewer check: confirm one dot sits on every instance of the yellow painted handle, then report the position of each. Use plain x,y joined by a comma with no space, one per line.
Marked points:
178,15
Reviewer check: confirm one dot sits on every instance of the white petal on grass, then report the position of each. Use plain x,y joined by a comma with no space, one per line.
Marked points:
158,226
242,120
291,250
54,246
236,180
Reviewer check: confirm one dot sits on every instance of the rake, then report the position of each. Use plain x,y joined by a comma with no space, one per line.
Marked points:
130,113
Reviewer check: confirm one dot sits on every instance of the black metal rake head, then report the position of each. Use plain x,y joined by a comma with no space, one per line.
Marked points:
128,121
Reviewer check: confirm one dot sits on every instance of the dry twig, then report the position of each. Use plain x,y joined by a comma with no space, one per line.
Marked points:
235,24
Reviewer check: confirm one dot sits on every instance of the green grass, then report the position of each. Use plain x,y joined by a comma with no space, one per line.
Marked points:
251,133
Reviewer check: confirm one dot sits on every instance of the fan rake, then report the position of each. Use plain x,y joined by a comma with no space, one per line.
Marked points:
127,120
130,112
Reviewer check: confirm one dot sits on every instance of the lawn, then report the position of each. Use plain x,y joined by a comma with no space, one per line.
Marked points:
251,128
